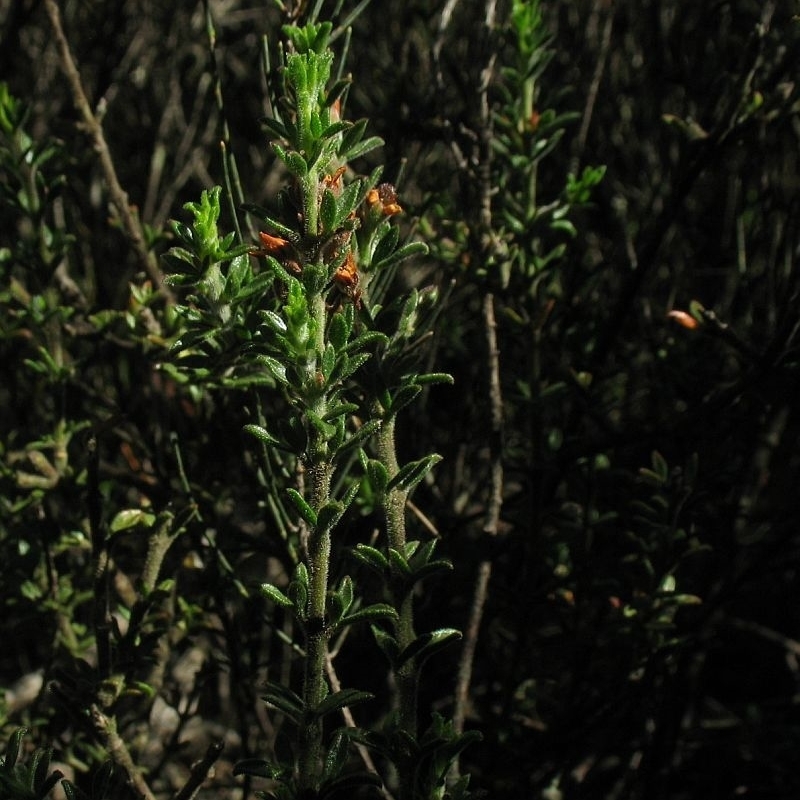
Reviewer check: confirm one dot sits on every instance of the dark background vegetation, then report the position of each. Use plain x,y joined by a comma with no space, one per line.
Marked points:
642,629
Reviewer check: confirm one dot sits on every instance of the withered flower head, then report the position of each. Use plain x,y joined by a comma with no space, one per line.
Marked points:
273,245
280,249
346,279
334,182
684,320
385,197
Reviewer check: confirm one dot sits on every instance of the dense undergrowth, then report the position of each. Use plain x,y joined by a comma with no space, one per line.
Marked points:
399,399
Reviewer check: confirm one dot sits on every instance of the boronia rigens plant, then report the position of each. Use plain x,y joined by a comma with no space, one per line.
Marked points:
303,320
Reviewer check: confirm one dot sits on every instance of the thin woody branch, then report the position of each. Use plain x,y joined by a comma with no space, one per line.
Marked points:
119,197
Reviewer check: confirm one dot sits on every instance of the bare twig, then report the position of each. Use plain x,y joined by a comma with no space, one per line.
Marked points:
119,198
199,772
444,24
491,522
496,404
161,538
349,720
106,727
423,519
594,87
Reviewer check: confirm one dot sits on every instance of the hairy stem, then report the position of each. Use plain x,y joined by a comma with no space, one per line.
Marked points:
407,675
319,553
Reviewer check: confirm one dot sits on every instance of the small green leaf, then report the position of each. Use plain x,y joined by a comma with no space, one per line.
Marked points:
348,200
426,645
293,161
274,367
338,700
346,592
387,244
324,429
130,518
328,362
371,556
422,553
274,321
367,430
275,595
349,785
328,212
337,755
434,567
12,750
365,339
339,329
372,613
334,609
329,514
361,148
351,364
285,700
261,433
352,136
387,643
340,410
402,253
298,594
660,465
404,396
412,473
307,514
399,563
378,475
258,768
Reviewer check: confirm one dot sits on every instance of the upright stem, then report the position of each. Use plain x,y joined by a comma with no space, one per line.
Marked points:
319,552
407,675
395,500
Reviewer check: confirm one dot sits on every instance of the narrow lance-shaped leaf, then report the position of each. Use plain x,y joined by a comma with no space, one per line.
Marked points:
411,474
402,253
307,514
426,645
261,433
373,613
371,556
285,700
338,700
352,136
274,594
258,768
12,751
362,148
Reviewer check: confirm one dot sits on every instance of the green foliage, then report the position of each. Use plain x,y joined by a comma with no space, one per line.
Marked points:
338,360
244,512
30,779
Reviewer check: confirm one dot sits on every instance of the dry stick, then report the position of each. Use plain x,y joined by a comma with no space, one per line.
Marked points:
200,771
118,750
594,87
350,722
444,23
491,524
130,222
